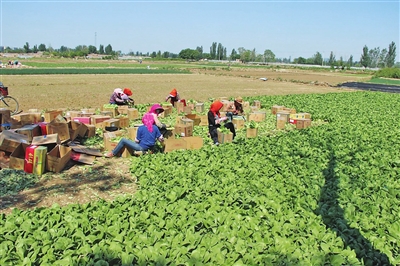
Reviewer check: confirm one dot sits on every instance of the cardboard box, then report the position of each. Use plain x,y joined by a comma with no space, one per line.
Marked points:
29,118
29,157
91,131
57,158
180,107
5,160
17,157
199,107
193,143
82,119
88,111
73,113
123,109
203,120
300,116
184,130
187,121
39,160
108,137
123,121
225,137
113,122
82,157
172,144
284,114
303,123
30,131
289,110
59,128
257,104
251,132
43,128
113,112
96,119
76,129
132,132
133,113
281,121
9,140
51,115
50,141
256,116
276,108
238,122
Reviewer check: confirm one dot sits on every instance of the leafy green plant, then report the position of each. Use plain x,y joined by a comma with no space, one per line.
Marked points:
251,124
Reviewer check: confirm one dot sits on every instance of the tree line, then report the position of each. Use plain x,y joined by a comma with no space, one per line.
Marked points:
370,58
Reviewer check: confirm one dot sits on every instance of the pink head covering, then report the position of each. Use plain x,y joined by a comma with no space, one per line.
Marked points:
156,107
148,121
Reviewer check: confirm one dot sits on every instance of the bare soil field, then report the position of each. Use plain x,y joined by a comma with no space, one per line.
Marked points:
108,178
46,92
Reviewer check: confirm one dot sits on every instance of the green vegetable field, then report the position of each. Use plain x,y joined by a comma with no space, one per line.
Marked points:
325,195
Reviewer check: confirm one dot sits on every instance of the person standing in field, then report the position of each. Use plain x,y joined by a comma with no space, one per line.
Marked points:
173,96
146,137
215,120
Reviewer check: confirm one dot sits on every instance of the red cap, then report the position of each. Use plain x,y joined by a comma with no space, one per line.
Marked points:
127,91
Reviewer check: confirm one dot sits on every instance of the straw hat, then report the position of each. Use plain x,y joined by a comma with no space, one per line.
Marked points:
239,99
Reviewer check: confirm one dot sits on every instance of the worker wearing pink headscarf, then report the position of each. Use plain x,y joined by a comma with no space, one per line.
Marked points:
155,111
146,137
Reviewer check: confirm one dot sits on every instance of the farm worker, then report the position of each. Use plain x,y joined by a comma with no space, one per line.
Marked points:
215,119
236,108
119,97
173,96
128,92
146,137
155,111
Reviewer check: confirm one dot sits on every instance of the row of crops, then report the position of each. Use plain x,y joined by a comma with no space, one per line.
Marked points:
325,195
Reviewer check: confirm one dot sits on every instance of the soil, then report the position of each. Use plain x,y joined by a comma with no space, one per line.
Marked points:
111,177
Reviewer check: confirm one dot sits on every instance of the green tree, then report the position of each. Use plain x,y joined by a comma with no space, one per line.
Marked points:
364,60
101,49
213,50
92,49
317,59
189,54
391,55
234,55
200,50
300,60
35,49
350,62
108,49
220,51
63,49
26,48
332,60
382,56
42,47
269,56
253,55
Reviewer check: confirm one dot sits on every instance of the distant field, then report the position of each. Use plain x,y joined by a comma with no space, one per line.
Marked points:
97,79
385,81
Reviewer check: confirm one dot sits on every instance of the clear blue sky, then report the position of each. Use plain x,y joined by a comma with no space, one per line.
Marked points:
287,28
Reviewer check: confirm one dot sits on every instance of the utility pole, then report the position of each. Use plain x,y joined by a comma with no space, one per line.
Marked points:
95,39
